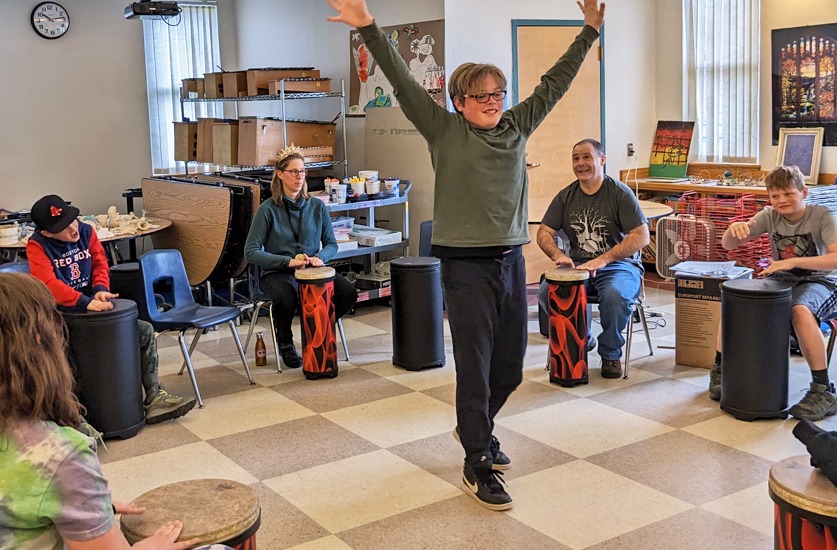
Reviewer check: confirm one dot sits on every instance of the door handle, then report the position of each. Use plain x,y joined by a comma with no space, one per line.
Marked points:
532,164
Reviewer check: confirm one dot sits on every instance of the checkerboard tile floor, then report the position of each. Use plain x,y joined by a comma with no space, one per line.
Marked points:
366,460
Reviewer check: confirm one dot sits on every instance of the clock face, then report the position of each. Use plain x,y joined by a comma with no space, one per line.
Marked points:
50,20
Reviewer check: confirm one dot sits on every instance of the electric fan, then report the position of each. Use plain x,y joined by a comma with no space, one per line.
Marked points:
680,238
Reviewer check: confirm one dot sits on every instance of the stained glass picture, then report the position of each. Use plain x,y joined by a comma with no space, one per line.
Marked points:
804,79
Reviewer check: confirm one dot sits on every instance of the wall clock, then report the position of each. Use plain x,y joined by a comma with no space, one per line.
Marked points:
50,20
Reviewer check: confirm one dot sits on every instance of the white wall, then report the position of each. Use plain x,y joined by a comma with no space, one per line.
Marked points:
629,58
74,111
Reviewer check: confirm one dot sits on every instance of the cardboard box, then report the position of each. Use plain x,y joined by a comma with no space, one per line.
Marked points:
374,236
259,139
225,143
213,85
234,83
697,306
186,141
205,151
257,79
191,87
299,85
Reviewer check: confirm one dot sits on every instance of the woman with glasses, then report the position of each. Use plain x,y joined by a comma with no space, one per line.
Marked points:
480,220
286,234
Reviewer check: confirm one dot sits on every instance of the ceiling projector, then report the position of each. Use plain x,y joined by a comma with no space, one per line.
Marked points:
145,10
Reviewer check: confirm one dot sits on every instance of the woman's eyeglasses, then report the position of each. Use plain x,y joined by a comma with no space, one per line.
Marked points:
296,172
483,98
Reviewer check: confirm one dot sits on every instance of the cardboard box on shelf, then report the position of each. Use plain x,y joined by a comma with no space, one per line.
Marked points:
697,307
191,87
205,151
299,85
234,83
374,236
213,85
261,138
257,79
186,141
225,143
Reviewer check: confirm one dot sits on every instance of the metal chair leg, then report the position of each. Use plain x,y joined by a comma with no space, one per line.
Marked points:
628,337
257,308
191,349
187,360
343,337
273,337
241,351
645,328
829,350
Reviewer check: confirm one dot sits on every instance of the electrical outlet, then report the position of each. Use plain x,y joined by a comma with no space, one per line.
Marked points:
631,149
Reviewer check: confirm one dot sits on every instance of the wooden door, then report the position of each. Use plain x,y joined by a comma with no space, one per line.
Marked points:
538,44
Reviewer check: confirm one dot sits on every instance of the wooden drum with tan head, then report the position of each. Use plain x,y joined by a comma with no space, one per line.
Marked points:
317,319
567,310
215,511
805,511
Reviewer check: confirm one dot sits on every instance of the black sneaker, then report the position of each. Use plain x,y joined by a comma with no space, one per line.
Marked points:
715,382
486,488
500,461
289,355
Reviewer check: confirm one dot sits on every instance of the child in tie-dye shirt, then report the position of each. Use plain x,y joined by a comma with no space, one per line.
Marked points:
52,491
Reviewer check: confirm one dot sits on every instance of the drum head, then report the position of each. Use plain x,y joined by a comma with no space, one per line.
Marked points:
561,274
314,273
794,481
212,510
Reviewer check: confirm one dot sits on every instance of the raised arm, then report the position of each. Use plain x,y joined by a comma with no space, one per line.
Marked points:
593,12
352,12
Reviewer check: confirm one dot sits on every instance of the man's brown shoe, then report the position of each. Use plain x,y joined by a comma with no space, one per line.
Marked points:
611,368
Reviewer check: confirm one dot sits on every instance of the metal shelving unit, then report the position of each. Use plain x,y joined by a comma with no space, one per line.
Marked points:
283,97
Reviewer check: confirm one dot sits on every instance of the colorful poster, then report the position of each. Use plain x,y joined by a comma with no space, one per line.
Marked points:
670,152
422,45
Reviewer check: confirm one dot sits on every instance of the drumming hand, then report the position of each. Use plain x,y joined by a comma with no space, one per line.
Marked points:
296,263
105,296
564,261
164,538
777,265
98,305
593,265
130,509
314,261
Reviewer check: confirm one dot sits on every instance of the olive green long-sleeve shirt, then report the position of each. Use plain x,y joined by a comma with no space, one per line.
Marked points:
481,181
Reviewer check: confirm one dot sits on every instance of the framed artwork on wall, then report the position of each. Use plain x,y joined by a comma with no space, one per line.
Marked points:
801,147
804,79
421,44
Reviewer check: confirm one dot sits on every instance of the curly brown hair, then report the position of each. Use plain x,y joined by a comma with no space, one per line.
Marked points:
36,383
276,187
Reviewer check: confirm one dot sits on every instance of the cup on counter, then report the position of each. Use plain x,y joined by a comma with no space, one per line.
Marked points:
373,186
368,174
358,187
392,186
339,191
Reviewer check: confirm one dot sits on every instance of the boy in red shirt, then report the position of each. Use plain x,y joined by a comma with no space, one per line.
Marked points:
69,259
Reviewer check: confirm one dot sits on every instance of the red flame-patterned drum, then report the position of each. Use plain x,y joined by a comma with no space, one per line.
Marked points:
214,511
567,309
317,319
805,511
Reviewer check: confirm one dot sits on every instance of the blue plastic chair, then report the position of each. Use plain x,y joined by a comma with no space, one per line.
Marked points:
260,300
14,267
167,265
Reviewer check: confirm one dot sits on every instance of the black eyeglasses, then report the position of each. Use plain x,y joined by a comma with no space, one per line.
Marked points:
296,172
483,98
